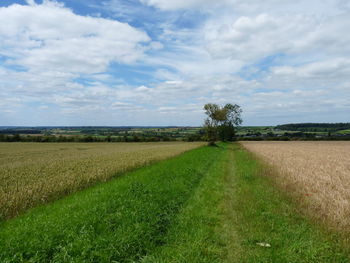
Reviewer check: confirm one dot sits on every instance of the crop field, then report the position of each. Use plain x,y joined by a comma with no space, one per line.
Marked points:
34,173
318,172
207,205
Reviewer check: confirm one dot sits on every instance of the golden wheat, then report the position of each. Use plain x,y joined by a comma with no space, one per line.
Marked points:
318,172
34,173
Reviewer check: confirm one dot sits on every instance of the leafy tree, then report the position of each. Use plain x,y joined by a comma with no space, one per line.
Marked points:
221,121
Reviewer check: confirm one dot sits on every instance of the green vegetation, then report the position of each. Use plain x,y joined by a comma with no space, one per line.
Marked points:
261,214
197,234
38,173
221,122
302,131
306,131
344,131
120,221
212,204
314,127
238,215
99,134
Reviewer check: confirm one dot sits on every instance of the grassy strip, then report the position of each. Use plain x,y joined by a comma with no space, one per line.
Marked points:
119,221
33,174
236,207
196,234
260,213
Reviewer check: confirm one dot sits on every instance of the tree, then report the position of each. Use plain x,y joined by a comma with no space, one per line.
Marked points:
221,121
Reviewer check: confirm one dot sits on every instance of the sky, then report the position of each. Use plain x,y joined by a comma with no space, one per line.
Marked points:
158,62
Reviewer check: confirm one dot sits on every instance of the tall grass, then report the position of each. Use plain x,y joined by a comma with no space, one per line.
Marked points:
35,173
119,221
262,214
317,173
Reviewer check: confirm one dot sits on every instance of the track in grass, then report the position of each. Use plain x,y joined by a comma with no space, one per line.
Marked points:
238,215
212,204
121,221
260,214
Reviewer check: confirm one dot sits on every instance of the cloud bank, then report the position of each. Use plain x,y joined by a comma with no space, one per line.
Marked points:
156,62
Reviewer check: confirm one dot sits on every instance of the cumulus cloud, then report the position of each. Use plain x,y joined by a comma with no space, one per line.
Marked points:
281,60
50,36
46,48
308,77
252,38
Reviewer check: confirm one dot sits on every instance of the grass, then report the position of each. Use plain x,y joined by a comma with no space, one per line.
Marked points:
119,221
236,208
260,212
36,173
317,173
343,132
196,234
212,204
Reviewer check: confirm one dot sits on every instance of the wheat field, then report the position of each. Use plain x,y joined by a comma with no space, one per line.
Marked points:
317,172
35,173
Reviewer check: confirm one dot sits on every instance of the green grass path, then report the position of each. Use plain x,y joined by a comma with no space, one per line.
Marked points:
212,204
119,221
237,207
258,212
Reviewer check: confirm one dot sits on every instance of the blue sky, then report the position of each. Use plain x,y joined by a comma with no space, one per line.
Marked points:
157,62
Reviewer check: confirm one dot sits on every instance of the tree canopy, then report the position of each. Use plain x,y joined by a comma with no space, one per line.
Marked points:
221,121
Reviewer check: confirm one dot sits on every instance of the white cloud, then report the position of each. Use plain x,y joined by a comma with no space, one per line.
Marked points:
46,47
252,38
250,6
337,69
50,36
48,51
312,77
143,89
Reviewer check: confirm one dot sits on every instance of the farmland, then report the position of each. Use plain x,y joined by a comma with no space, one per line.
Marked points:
317,172
209,204
32,173
99,134
303,131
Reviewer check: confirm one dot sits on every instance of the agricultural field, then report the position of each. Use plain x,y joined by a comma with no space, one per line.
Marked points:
99,134
344,131
207,205
35,173
318,172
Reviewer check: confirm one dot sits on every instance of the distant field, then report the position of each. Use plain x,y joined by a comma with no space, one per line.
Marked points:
344,132
319,172
34,173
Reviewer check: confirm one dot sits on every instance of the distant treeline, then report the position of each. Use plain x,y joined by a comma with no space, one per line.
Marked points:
295,136
285,138
303,131
314,127
20,131
299,136
89,138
